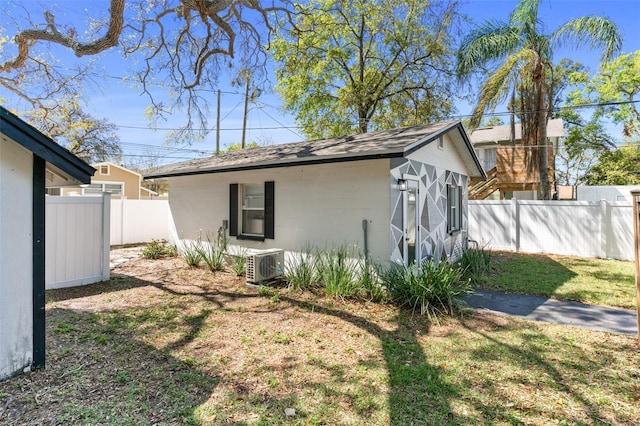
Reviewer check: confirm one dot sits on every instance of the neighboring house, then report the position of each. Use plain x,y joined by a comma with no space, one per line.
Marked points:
617,193
29,163
399,195
504,162
119,181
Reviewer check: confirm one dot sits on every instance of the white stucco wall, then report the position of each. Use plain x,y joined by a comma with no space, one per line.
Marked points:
320,204
16,277
447,158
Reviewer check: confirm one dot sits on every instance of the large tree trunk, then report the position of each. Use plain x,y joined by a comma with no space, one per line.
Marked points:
540,130
541,114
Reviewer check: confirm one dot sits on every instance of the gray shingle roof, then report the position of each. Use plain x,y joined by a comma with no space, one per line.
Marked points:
384,144
555,129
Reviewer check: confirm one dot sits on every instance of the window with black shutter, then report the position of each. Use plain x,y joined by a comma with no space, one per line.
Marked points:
251,210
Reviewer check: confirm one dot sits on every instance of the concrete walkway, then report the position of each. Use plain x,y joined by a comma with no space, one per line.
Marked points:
614,320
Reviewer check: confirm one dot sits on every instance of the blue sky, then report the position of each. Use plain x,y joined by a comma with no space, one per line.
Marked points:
266,122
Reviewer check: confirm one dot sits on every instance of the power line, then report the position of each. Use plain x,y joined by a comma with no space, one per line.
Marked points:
581,106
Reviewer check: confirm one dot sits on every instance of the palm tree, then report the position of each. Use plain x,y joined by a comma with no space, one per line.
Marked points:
523,56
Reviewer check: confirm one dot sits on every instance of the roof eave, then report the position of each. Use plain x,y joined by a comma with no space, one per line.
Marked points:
44,147
339,158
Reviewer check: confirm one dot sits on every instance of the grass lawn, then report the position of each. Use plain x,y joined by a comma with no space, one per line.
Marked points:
165,344
597,281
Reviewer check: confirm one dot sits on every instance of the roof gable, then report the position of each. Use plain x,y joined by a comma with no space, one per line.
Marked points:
385,144
108,163
61,160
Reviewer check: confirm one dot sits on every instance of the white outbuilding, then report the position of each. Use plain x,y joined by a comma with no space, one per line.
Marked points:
29,163
398,195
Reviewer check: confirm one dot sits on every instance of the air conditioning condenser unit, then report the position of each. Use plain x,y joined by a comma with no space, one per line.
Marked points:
264,265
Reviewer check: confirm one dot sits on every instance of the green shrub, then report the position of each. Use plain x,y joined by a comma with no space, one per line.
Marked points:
475,263
213,252
157,249
190,253
432,288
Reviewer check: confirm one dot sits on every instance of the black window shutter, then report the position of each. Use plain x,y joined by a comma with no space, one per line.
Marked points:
233,209
269,213
460,208
449,215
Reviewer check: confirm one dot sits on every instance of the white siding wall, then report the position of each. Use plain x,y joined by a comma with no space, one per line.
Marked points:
585,229
324,204
16,251
76,241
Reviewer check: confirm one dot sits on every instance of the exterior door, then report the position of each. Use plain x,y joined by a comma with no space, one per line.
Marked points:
411,223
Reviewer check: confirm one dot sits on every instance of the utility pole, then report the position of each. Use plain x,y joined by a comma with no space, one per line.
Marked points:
246,105
218,126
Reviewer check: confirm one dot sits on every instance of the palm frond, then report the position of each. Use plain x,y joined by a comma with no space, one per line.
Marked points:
594,31
490,41
498,85
525,14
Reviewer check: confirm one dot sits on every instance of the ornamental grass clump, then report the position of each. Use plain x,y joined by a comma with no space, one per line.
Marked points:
370,280
300,270
190,253
213,252
338,272
475,263
238,262
432,288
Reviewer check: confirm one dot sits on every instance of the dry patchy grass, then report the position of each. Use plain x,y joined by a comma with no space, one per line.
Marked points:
162,343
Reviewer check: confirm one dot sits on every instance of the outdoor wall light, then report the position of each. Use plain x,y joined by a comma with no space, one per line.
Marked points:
402,185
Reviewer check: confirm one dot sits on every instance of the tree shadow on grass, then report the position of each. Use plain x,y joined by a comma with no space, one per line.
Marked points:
416,391
533,363
535,274
100,374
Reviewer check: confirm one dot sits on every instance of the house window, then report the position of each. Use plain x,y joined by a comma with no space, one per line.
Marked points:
490,160
252,206
104,169
454,208
251,210
99,188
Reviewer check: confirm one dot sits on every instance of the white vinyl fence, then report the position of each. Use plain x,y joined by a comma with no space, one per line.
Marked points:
76,247
577,228
139,221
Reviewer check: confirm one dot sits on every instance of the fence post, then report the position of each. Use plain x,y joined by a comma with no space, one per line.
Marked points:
106,234
605,228
515,225
636,238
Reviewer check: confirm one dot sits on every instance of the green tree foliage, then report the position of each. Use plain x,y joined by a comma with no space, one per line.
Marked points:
616,167
356,66
616,86
586,137
519,56
493,121
89,138
238,146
